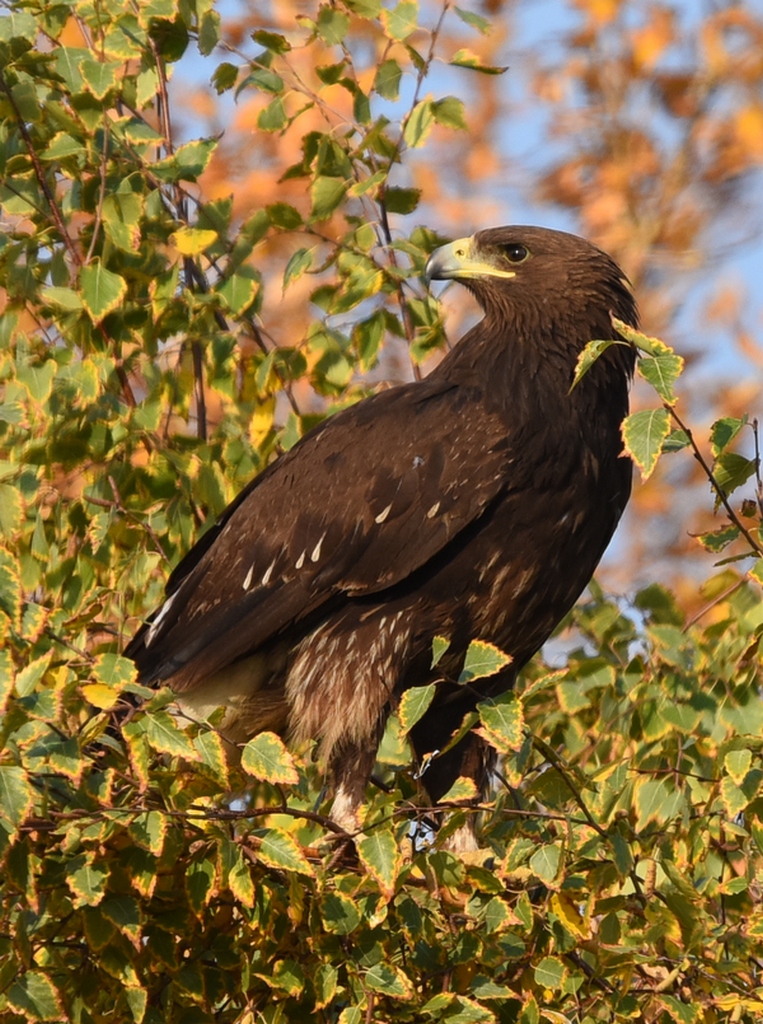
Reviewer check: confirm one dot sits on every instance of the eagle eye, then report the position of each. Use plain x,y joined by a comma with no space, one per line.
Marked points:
515,253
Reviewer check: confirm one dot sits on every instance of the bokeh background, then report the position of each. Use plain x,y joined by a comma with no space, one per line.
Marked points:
639,125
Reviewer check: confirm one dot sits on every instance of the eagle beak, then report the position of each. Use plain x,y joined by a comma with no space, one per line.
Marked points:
460,260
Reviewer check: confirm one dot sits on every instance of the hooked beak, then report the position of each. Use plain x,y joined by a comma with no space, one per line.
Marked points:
461,260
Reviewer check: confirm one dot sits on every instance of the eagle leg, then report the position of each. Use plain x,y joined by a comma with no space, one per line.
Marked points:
472,758
350,767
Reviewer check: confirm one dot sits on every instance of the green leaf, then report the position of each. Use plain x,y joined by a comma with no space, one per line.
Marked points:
717,540
682,1013
299,262
737,763
468,59
266,80
731,471
402,20
284,216
16,794
643,434
64,298
86,879
325,982
114,670
449,111
588,357
380,854
100,77
330,74
676,441
661,372
361,107
440,644
286,976
200,877
401,200
340,914
166,738
364,8
102,290
550,973
193,157
33,995
210,747
367,336
265,757
18,24
502,722
149,830
137,999
209,32
272,41
482,659
389,980
419,123
656,800
273,117
10,587
239,290
476,21
38,379
463,1010
545,862
387,81
240,880
486,988
278,849
67,63
463,790
326,194
62,146
124,913
122,212
30,676
11,510
414,704
224,77
723,433
652,346
332,25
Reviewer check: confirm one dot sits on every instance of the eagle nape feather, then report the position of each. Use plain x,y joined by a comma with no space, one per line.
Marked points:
474,504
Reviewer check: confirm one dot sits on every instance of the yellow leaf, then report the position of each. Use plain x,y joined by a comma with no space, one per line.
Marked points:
192,241
749,128
100,695
599,11
567,911
262,420
652,40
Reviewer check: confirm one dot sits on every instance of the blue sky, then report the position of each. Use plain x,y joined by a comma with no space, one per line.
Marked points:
536,31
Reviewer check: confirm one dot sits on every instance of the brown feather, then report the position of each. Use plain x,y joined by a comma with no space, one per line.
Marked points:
474,504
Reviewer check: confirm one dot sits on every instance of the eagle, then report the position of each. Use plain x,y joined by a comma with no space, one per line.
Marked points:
473,504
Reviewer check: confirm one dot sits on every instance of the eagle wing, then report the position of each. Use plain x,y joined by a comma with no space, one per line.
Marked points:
355,507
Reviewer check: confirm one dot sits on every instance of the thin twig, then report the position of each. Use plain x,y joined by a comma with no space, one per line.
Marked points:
549,753
716,601
754,545
758,481
383,215
101,192
40,175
